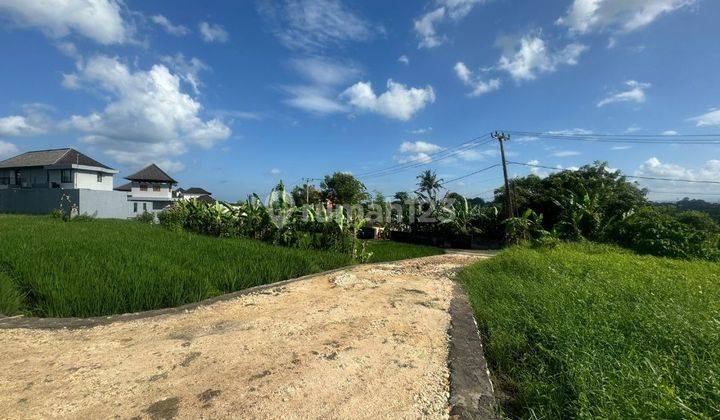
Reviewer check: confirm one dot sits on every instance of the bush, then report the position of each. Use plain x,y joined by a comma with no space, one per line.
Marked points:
698,220
145,217
649,231
173,218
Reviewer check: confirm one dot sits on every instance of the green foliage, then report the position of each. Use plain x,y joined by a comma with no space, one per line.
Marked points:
145,217
593,331
306,194
649,231
526,228
429,184
381,251
343,188
698,220
100,267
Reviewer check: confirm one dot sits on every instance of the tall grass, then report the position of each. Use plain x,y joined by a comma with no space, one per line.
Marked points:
100,267
595,331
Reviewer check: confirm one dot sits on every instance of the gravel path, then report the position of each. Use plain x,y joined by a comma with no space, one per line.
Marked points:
370,341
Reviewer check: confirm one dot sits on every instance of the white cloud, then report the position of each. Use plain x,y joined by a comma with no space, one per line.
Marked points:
566,153
670,133
621,16
275,171
212,32
634,93
99,20
530,55
421,130
653,167
7,149
525,139
397,102
177,30
418,147
711,118
323,75
314,99
147,119
479,87
425,26
315,24
16,125
570,132
633,129
621,147
404,59
188,70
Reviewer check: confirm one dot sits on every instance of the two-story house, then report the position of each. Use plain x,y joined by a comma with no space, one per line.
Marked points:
149,190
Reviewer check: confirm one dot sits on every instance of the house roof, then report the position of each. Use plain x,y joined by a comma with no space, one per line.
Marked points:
197,190
206,198
66,156
151,173
125,187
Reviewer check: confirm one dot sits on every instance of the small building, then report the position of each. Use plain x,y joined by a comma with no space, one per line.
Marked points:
149,190
194,193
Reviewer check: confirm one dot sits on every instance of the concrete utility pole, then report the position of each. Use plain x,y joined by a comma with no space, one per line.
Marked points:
502,138
307,189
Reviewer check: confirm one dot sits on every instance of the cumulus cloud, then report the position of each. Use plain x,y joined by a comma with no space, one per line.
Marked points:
163,22
635,93
425,25
416,151
404,60
398,101
621,16
17,125
213,32
311,25
709,119
525,58
7,149
654,167
98,20
478,86
670,133
275,171
148,118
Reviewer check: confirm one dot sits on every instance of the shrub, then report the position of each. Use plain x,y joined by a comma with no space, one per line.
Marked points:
145,217
173,218
698,220
649,231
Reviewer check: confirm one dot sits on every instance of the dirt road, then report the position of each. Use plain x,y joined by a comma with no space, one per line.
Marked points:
370,341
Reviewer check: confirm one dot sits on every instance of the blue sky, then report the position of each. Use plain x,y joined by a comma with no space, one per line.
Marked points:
235,96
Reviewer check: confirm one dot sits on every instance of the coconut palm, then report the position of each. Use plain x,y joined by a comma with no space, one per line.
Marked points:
429,184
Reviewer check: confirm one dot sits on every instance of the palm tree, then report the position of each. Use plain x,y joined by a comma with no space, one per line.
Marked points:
429,183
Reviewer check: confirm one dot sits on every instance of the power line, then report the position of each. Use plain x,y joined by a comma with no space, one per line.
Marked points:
431,158
626,176
687,139
472,173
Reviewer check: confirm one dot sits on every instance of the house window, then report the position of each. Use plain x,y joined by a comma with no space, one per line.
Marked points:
99,177
156,187
135,207
143,187
66,176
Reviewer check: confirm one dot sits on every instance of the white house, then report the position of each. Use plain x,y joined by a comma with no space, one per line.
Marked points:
56,168
149,190
194,193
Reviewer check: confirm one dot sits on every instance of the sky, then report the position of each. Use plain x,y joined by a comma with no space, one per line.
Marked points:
235,96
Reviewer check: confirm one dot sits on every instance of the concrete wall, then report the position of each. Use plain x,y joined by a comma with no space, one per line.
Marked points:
34,201
165,191
99,204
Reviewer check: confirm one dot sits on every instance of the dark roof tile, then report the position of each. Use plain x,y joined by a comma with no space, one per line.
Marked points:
151,173
65,156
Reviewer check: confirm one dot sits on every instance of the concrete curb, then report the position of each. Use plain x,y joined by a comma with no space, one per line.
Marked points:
471,390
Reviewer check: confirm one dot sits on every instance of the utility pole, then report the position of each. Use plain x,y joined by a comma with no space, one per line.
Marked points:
502,138
307,189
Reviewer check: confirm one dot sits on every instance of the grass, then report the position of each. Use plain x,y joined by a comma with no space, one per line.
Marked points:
52,268
594,331
391,251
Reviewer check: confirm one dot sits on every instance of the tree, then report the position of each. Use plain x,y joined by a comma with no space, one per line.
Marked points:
401,197
306,194
429,184
343,188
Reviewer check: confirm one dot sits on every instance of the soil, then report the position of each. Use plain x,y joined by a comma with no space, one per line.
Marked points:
369,341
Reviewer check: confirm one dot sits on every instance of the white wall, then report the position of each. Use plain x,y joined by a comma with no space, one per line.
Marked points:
165,191
88,180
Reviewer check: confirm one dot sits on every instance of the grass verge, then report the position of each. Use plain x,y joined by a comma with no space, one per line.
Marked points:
587,330
51,268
